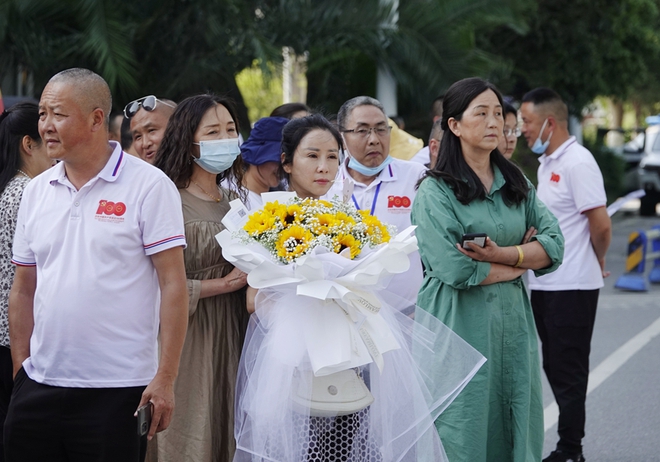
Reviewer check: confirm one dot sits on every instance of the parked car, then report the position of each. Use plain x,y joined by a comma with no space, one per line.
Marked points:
642,156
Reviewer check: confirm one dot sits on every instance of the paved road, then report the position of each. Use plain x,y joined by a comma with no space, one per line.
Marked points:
623,410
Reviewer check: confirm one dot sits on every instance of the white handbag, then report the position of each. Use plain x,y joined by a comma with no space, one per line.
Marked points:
332,395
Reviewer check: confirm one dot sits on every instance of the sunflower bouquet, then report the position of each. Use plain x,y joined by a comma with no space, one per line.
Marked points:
292,229
322,263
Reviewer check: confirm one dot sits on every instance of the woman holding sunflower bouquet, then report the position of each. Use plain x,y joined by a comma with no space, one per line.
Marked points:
330,367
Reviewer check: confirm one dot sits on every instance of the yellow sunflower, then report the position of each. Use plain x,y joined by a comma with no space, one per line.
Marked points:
276,209
347,241
273,207
376,230
293,213
325,223
259,222
293,242
344,219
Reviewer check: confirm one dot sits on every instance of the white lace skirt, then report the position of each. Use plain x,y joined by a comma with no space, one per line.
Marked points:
418,381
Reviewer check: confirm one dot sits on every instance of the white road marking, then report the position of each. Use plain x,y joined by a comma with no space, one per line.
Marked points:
608,367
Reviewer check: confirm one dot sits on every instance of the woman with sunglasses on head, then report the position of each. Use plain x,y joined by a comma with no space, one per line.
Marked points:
22,157
199,149
474,283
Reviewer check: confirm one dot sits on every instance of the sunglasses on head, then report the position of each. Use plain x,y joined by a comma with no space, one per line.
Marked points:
148,103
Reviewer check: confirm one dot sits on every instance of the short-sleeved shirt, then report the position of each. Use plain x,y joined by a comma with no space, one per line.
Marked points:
96,304
9,202
389,197
570,183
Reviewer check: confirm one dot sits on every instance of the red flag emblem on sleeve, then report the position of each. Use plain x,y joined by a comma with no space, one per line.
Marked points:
554,177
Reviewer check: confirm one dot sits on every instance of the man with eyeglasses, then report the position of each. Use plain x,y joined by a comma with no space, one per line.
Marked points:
149,116
373,180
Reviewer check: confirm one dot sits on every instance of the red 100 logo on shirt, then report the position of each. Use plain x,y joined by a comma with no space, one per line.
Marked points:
111,208
398,201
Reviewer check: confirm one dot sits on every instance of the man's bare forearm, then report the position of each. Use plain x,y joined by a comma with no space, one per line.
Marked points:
21,314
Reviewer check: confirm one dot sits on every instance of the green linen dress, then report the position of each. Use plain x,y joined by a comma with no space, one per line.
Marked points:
498,417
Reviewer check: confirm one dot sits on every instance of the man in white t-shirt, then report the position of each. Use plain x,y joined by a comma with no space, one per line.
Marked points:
373,180
100,274
564,302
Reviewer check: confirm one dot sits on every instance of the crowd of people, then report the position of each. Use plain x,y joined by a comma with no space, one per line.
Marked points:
115,294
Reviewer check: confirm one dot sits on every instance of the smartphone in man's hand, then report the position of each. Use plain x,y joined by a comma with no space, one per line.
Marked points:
144,419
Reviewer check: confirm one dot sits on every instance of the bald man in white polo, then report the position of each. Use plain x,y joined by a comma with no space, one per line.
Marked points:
99,254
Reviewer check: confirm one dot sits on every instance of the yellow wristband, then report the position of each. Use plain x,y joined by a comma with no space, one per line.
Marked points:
521,257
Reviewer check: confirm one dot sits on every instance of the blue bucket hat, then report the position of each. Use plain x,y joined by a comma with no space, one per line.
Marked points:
265,141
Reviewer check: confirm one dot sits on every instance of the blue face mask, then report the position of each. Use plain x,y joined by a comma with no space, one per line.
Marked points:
538,147
216,156
368,171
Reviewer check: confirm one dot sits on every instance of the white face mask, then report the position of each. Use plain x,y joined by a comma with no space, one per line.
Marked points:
538,147
368,171
216,156
363,169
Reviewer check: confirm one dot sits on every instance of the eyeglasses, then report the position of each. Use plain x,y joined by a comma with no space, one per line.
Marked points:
512,132
380,132
148,103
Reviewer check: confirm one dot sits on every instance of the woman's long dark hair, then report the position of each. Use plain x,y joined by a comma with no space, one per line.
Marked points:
451,165
174,156
16,122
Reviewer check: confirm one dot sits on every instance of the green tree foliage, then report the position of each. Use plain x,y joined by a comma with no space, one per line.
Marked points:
580,48
47,36
176,48
426,44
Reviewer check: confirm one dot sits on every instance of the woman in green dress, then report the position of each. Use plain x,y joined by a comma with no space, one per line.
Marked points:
478,291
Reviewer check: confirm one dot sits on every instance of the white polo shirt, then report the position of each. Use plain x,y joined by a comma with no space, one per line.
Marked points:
423,156
570,183
389,197
96,305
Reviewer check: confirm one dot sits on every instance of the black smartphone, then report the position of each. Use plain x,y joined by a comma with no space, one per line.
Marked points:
144,419
476,238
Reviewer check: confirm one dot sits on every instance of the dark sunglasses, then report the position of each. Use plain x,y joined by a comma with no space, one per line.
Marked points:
148,103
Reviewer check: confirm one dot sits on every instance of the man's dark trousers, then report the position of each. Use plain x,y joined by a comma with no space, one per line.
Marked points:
565,322
57,424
